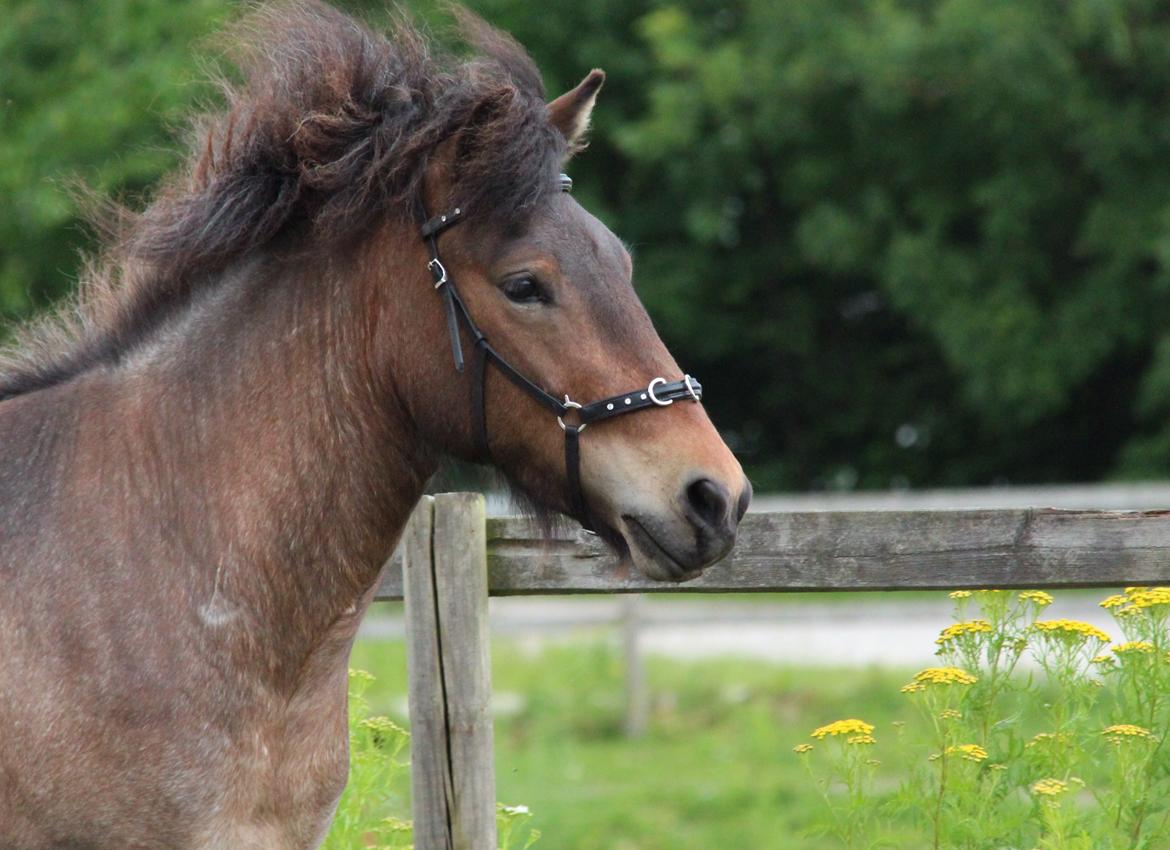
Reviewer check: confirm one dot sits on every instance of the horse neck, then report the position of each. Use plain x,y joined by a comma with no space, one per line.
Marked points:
287,463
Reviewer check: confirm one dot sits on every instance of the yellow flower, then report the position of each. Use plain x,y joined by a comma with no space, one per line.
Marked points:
1115,601
852,726
1045,738
1130,591
969,752
1123,732
1050,787
957,630
959,594
1070,629
1142,598
1102,659
912,688
950,714
1038,596
1134,646
940,676
862,739
801,749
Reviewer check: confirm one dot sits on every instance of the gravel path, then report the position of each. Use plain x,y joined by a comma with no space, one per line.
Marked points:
869,631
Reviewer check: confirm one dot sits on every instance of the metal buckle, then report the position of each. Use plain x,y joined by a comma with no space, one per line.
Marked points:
654,398
438,271
570,403
690,388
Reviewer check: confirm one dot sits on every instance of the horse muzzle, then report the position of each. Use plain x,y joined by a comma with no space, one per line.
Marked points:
697,530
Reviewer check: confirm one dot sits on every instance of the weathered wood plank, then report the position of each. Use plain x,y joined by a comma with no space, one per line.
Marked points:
430,775
460,552
856,550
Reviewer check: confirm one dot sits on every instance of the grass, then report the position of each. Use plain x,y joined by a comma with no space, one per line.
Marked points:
715,769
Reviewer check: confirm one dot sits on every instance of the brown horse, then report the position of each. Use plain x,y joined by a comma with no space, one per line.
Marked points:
205,464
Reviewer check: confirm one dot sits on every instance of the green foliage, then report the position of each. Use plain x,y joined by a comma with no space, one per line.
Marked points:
365,814
1074,762
907,242
713,770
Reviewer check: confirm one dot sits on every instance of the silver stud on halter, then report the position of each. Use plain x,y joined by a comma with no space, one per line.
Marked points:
656,399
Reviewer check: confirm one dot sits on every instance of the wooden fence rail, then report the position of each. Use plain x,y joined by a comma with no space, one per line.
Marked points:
451,559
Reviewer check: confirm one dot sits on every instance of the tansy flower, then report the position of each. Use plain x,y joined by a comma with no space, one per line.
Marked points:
950,714
852,726
1102,659
862,739
913,688
1123,732
1150,598
382,726
1046,738
801,749
969,752
941,676
1050,787
1115,601
957,630
1134,646
1070,629
360,676
382,730
1038,596
959,594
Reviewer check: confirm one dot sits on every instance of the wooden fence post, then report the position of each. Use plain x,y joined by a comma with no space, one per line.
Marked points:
637,692
448,653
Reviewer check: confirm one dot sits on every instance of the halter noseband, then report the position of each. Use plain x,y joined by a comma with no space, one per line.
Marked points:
658,393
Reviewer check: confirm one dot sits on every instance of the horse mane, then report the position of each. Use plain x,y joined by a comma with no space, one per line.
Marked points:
327,131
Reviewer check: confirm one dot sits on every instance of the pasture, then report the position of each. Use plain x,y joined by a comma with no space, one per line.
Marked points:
715,767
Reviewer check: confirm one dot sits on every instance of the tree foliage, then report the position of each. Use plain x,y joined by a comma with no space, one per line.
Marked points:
904,242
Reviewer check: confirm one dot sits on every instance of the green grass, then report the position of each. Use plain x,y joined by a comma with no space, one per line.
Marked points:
715,769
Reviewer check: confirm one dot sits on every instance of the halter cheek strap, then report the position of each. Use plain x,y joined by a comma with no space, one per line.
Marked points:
658,393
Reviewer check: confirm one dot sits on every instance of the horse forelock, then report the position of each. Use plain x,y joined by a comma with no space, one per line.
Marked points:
326,132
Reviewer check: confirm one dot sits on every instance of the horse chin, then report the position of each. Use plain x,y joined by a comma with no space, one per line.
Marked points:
651,552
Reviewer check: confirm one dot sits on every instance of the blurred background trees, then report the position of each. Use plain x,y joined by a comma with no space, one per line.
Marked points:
904,242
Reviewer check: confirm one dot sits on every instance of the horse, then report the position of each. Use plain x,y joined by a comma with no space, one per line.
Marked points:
207,459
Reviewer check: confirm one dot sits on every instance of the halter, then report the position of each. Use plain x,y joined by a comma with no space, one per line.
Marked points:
658,393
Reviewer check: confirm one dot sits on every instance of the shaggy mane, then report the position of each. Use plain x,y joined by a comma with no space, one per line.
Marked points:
328,131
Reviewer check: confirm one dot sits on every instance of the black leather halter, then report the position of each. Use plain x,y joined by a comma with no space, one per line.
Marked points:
658,393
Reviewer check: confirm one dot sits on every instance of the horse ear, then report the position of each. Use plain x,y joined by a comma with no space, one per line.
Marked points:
570,112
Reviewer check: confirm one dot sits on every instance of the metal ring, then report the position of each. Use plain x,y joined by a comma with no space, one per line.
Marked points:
433,264
690,388
570,403
654,398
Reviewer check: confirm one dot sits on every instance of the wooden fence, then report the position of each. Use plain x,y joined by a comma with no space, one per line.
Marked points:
452,558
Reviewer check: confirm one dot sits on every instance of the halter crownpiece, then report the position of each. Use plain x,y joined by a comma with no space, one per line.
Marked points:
657,393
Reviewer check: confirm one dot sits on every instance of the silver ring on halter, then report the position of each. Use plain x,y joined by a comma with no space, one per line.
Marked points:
690,388
434,265
656,399
570,403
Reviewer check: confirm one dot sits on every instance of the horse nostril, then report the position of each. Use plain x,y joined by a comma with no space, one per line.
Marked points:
708,502
745,499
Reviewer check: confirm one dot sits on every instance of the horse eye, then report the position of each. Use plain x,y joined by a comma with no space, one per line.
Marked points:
523,290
